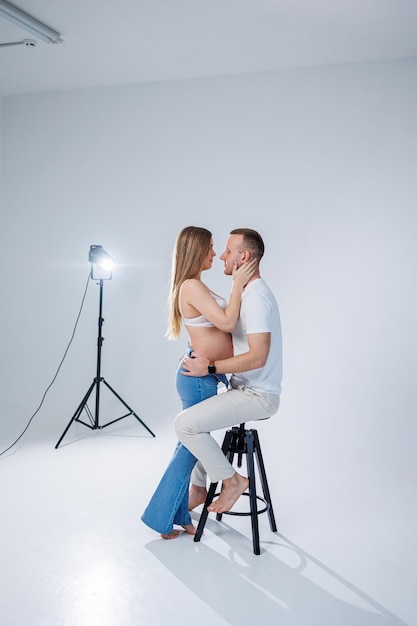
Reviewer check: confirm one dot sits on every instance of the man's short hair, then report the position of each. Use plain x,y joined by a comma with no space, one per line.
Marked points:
252,241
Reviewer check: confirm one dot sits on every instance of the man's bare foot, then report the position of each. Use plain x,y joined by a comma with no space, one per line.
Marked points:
196,496
173,534
232,489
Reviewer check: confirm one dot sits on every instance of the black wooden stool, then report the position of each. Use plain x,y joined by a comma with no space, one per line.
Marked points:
240,441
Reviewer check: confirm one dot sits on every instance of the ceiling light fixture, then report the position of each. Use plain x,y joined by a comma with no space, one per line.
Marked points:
29,43
29,23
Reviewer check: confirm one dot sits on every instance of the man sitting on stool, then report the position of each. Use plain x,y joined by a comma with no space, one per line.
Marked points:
255,384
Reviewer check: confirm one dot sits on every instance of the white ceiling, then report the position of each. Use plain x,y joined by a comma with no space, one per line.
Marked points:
128,41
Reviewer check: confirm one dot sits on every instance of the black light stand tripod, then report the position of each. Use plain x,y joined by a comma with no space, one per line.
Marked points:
94,420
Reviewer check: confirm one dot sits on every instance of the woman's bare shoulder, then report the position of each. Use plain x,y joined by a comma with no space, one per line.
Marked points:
194,292
194,285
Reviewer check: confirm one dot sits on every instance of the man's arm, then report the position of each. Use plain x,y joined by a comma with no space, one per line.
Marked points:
254,358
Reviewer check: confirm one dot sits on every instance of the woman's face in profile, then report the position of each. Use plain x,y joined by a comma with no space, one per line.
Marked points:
208,262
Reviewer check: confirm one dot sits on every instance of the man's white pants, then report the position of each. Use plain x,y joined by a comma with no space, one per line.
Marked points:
235,406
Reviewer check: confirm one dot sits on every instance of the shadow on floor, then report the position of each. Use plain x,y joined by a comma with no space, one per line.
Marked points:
242,588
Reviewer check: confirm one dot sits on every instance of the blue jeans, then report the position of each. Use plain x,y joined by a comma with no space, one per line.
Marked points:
169,503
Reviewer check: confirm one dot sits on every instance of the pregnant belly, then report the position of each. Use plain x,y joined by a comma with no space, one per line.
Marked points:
213,343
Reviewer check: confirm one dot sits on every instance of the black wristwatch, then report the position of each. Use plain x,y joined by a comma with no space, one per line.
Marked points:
211,368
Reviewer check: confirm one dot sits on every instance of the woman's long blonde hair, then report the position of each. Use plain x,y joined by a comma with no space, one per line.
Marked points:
190,251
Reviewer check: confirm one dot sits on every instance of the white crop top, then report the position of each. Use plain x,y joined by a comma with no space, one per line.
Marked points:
200,320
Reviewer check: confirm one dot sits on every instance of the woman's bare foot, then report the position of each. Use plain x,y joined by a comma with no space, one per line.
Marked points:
190,529
232,489
196,496
173,534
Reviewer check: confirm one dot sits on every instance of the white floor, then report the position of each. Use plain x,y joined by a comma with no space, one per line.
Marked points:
75,553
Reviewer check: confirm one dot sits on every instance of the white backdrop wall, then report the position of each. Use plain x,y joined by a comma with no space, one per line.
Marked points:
321,161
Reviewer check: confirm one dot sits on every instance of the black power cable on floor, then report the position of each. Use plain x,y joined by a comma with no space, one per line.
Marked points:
57,371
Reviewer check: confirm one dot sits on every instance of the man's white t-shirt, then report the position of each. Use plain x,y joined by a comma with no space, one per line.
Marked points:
259,314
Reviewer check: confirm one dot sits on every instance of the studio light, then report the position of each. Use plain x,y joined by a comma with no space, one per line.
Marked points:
102,263
29,23
101,269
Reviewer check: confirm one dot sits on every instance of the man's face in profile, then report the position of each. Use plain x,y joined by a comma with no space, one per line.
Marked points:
233,253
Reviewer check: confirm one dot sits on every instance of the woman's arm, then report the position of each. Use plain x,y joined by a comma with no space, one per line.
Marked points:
196,294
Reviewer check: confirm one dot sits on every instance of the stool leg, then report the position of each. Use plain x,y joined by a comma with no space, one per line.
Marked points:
241,444
264,482
228,451
204,513
252,493
212,490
